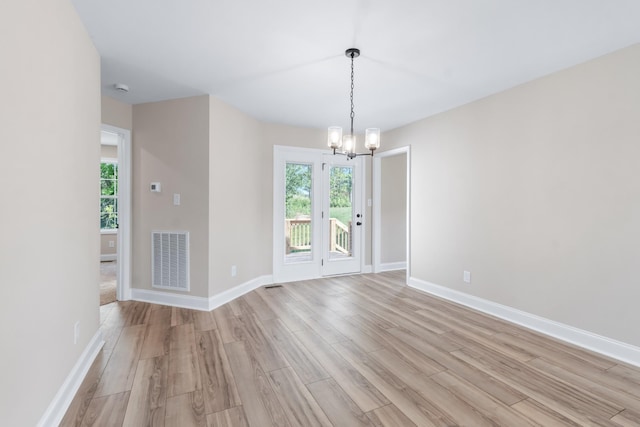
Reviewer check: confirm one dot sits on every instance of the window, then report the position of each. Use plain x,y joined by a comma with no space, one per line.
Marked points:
108,195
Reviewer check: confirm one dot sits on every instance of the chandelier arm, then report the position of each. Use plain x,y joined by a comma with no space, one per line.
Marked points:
354,155
365,154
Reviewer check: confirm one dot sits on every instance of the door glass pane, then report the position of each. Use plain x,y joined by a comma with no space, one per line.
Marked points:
340,211
297,223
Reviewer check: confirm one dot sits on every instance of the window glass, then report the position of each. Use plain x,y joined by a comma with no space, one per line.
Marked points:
108,196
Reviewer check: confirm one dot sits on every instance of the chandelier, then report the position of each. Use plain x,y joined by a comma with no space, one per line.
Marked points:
335,138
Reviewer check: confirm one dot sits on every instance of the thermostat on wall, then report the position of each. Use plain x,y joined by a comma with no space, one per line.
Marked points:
155,187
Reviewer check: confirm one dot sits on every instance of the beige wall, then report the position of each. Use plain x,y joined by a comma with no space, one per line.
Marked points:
109,151
536,192
116,113
50,114
393,209
105,249
171,146
239,207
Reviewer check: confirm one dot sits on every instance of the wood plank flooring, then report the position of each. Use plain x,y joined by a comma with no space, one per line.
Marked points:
344,351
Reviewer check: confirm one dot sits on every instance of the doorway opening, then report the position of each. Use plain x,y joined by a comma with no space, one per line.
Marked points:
115,213
108,217
391,239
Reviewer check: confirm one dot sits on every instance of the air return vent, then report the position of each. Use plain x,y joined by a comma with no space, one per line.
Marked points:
170,260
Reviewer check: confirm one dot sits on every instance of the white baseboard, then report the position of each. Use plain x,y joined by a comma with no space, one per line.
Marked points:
170,299
233,293
60,403
367,269
392,266
108,257
199,303
609,347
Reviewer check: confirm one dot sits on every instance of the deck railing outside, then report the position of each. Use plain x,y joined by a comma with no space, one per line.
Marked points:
339,237
298,235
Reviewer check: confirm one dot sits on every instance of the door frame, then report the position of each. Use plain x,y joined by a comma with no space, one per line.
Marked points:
314,269
377,193
123,289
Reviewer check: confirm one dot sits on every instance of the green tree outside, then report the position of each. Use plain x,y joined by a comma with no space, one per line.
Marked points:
298,191
108,196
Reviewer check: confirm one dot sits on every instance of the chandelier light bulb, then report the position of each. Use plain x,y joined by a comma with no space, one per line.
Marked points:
349,143
372,139
335,137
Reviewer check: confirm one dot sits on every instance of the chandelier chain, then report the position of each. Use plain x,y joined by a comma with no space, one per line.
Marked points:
352,85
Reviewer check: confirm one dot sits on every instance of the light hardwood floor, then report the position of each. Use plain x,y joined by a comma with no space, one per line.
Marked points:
348,351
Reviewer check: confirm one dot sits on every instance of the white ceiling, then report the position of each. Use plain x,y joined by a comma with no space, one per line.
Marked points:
283,61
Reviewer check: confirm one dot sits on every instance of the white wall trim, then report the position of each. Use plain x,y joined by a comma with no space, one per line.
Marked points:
108,257
60,403
235,292
199,303
392,266
609,347
367,268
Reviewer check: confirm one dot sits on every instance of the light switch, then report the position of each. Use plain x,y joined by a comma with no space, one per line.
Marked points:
176,199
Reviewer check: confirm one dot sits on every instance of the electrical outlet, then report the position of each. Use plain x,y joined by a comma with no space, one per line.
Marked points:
466,276
76,332
234,271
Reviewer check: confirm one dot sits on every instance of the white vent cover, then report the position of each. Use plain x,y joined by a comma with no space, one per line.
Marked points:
170,260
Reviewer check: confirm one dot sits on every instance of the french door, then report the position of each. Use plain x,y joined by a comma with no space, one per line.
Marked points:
317,214
341,215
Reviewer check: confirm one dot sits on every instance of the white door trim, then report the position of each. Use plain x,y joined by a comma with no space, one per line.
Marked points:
377,192
123,290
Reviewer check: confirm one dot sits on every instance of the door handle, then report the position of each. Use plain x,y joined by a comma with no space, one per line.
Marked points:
358,223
